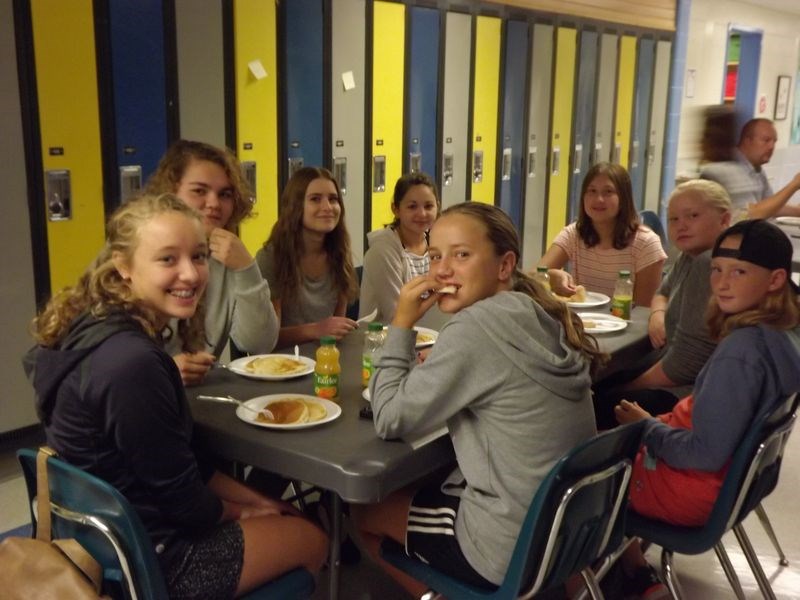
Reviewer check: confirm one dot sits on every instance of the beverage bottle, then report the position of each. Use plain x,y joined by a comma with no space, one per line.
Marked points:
542,277
327,369
372,343
623,296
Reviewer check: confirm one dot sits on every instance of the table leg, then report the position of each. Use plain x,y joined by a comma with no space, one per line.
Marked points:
335,544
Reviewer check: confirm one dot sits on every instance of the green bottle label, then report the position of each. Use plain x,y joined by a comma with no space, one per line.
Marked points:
366,368
621,307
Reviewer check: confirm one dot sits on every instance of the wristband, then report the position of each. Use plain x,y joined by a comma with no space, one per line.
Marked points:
652,312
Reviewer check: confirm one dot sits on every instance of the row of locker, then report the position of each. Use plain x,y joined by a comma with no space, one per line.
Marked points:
506,108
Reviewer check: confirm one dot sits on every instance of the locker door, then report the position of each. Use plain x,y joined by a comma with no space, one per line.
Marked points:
641,118
455,118
602,151
201,71
511,157
624,106
141,120
255,66
584,109
566,39
388,56
302,60
348,35
485,90
537,147
658,118
422,91
66,88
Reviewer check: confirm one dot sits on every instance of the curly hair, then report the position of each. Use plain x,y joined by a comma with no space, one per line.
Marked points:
181,154
503,236
627,222
101,290
287,240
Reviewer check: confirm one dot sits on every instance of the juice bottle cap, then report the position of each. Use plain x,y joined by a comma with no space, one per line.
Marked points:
327,340
624,273
541,269
375,326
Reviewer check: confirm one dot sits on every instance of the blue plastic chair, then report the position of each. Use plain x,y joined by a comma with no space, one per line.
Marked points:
90,510
575,519
653,221
752,475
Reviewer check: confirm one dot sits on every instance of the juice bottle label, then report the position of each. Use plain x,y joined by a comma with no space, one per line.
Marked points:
366,369
326,385
621,307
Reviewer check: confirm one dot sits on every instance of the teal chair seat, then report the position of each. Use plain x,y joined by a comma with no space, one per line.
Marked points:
90,510
576,518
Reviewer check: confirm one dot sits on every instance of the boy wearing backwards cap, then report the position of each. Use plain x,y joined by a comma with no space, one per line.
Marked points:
754,311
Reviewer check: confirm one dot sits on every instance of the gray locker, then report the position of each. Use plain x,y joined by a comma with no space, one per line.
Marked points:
606,92
347,123
455,122
201,80
658,118
537,145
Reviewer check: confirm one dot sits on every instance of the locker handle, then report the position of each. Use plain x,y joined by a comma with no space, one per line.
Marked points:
477,166
59,195
130,181
597,155
340,173
447,169
249,170
617,153
578,158
532,161
295,164
556,166
651,154
378,173
506,165
635,154
415,162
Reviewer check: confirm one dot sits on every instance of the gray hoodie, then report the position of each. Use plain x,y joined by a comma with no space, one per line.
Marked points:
515,397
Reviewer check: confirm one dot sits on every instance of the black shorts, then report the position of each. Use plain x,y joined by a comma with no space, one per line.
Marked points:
431,536
210,568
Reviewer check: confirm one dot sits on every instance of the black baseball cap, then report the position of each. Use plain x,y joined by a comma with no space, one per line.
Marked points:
763,244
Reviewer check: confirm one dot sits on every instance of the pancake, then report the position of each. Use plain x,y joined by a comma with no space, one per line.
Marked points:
274,365
424,338
578,296
289,411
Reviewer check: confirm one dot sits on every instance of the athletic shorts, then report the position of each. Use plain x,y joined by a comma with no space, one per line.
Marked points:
431,536
210,568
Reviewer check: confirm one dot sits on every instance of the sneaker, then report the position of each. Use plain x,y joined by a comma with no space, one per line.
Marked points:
645,584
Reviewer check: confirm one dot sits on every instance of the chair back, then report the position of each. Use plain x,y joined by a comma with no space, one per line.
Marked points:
577,515
761,464
93,512
653,221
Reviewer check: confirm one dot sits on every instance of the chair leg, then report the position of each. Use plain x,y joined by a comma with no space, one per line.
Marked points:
591,584
765,523
752,560
431,595
670,577
730,573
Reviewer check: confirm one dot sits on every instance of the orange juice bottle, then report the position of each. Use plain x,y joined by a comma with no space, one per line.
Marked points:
327,369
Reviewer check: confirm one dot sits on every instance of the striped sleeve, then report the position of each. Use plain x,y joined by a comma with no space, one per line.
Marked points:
646,249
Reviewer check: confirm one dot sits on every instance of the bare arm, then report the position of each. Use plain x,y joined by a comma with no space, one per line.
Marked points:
647,282
338,326
655,323
653,377
561,282
775,204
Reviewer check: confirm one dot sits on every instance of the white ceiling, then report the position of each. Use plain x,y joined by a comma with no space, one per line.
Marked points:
789,6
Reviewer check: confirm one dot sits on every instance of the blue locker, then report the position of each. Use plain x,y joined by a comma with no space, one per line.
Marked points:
139,76
641,118
304,84
512,142
422,91
582,134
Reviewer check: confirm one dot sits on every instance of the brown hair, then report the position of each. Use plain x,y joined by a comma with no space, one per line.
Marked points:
405,183
287,240
181,154
101,290
503,236
627,222
719,134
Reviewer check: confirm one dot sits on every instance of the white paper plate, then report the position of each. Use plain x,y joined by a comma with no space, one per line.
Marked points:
365,394
333,411
592,299
788,220
429,336
602,322
238,367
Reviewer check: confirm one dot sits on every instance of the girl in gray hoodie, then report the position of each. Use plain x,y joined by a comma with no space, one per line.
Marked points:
509,376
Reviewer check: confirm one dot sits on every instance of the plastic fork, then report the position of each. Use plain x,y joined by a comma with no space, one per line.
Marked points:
368,318
231,400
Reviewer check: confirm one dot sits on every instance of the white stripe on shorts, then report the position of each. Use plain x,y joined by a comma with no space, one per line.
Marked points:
433,530
433,511
447,520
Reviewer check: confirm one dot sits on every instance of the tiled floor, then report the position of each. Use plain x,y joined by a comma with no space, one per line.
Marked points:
701,576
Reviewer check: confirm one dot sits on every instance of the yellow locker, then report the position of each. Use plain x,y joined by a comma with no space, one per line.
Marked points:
485,108
388,60
66,87
564,84
624,112
255,44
